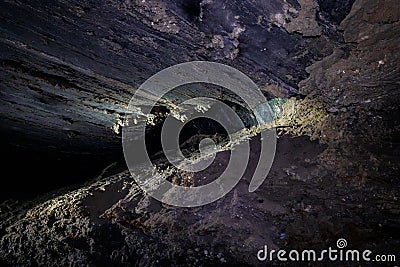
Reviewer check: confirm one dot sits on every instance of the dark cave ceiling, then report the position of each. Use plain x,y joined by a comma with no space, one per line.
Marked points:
69,68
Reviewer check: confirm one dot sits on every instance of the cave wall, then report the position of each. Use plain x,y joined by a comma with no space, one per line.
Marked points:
69,68
358,85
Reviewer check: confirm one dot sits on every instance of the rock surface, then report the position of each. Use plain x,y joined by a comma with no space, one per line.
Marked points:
69,68
110,221
359,86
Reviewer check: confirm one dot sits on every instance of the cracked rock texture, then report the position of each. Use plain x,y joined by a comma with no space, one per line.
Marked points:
111,222
69,68
359,85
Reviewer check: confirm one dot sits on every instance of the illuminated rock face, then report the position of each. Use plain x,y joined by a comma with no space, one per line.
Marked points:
69,68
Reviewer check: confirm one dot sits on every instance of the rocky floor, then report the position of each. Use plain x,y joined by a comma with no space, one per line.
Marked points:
111,222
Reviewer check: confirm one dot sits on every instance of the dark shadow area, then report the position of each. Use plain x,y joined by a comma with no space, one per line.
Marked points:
30,173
